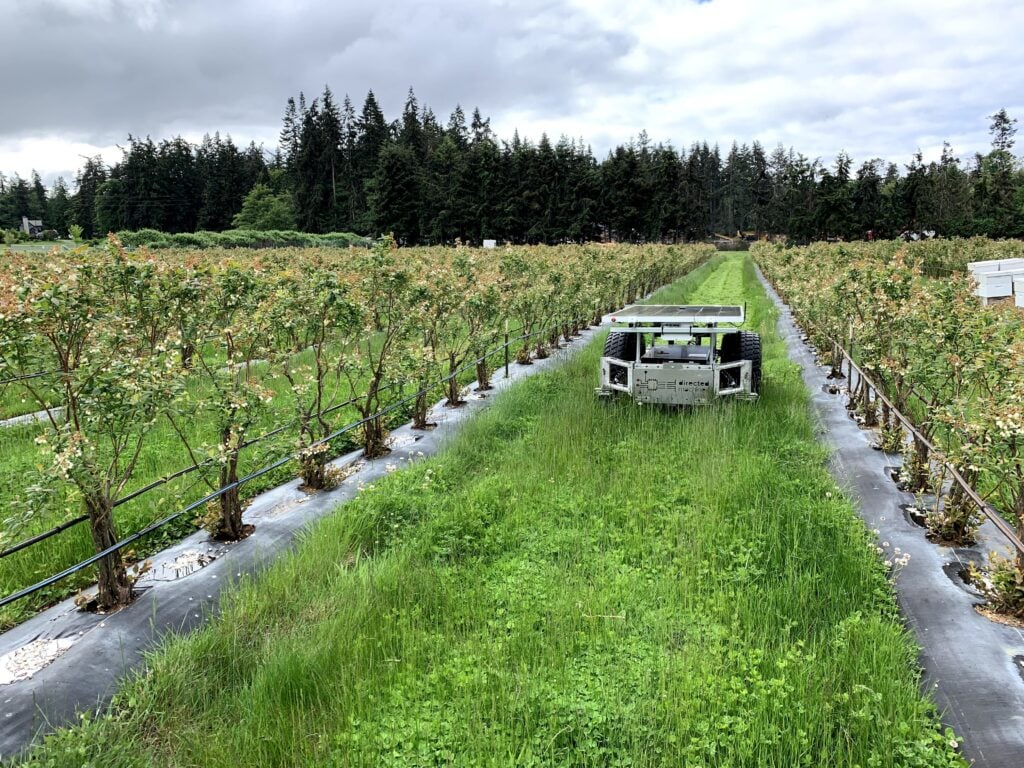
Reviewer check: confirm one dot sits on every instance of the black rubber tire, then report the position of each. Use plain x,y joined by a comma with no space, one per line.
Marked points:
622,346
745,345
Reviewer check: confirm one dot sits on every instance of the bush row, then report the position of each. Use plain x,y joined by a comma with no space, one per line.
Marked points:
239,238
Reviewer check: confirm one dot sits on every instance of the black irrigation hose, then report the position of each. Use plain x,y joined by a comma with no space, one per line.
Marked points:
163,481
14,548
51,580
43,536
27,376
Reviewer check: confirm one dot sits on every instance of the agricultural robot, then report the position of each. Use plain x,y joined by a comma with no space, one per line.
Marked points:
685,363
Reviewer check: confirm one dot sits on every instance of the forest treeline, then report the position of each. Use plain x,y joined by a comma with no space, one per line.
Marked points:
337,169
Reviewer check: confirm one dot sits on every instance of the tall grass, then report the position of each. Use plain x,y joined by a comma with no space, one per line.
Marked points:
571,583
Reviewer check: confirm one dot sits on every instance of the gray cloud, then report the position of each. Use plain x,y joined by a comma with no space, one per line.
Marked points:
214,65
873,80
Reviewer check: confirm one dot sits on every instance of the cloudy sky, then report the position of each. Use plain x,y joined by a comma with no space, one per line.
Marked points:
877,78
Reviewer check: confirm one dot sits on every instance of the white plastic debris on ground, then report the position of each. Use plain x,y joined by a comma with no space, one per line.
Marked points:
400,441
187,562
22,663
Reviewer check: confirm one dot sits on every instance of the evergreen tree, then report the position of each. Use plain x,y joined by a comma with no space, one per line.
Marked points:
88,182
485,190
664,219
761,189
351,195
410,129
894,211
37,200
288,139
394,194
952,195
19,202
447,202
58,208
372,136
480,129
994,186
867,200
457,128
835,215
109,207
179,184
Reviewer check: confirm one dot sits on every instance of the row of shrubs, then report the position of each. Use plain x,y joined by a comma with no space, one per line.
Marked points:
239,238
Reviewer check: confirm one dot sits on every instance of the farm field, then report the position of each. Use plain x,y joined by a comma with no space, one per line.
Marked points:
571,582
43,247
290,344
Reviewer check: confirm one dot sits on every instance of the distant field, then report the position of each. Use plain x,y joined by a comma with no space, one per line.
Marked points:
40,247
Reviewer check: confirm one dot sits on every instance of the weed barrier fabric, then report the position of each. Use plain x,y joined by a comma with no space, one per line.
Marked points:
971,666
183,588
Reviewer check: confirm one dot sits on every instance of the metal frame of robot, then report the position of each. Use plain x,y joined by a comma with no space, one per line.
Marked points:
678,323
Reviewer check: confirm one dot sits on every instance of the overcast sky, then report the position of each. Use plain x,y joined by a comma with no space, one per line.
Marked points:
878,78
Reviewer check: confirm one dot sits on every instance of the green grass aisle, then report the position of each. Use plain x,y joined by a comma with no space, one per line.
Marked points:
571,583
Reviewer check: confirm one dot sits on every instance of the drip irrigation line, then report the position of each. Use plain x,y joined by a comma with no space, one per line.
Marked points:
51,580
162,481
39,537
27,376
24,544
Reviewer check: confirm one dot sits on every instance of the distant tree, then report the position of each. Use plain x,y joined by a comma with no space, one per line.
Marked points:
262,209
995,183
410,128
894,212
372,134
225,175
761,189
484,189
867,200
834,213
480,128
447,202
179,182
37,199
395,194
19,201
457,128
288,139
1003,129
351,188
109,207
317,163
83,204
951,195
58,208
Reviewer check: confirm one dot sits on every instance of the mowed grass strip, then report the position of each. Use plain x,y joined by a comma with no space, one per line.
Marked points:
571,583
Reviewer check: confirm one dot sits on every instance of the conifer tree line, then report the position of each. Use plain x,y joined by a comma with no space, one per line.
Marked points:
429,181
